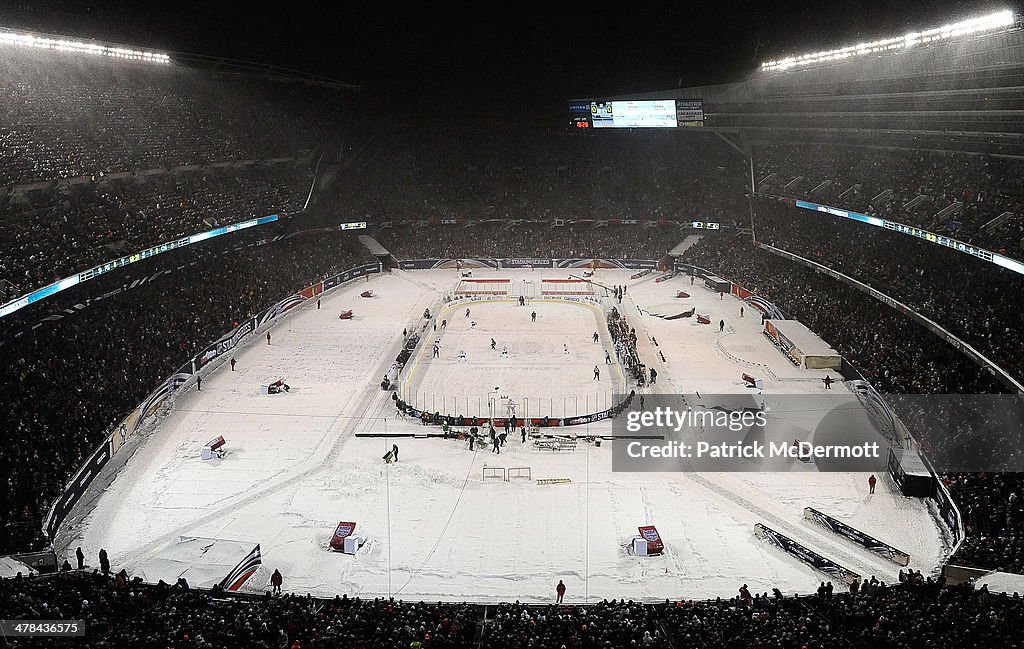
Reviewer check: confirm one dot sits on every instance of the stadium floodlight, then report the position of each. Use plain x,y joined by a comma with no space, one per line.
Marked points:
60,44
981,24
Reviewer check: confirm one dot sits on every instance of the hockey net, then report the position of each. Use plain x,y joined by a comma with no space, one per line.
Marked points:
571,287
469,287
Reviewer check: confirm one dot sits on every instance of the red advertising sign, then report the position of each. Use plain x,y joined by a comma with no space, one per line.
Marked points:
343,530
654,543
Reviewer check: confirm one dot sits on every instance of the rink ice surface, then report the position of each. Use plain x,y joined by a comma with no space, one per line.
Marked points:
436,529
547,367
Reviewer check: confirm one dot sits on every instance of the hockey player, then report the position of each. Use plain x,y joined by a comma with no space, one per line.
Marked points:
472,324
533,317
565,348
522,301
444,324
462,355
597,373
607,358
654,376
493,343
595,336
437,350
504,351
467,313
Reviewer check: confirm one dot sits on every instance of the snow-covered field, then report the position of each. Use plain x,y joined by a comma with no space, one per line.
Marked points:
435,528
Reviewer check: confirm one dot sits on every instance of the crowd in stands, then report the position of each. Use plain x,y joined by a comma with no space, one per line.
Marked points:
974,299
906,186
498,240
993,517
898,357
101,157
98,364
127,613
124,612
68,116
415,174
69,228
895,354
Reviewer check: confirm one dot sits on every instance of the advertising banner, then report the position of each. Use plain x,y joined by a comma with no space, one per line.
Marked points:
525,263
654,543
808,556
343,531
76,489
867,542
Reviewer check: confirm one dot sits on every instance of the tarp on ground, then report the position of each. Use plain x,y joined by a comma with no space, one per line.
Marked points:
203,562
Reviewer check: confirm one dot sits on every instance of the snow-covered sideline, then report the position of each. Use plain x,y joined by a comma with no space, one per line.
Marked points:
436,529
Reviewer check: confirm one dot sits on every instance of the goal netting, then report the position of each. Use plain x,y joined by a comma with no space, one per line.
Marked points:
469,286
570,287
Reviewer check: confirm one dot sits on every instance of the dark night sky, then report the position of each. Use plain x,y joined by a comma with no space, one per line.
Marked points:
508,58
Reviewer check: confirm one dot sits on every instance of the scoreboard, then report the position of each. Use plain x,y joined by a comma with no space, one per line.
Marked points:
634,113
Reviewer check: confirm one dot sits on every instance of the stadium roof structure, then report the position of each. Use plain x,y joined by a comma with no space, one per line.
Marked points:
229,66
963,93
976,25
219,65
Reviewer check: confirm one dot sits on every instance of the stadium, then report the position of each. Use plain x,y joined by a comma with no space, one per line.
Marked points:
720,365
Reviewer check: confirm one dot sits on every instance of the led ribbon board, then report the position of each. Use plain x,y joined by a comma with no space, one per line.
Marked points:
94,272
965,248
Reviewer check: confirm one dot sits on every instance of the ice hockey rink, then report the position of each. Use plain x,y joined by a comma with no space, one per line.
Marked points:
435,528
